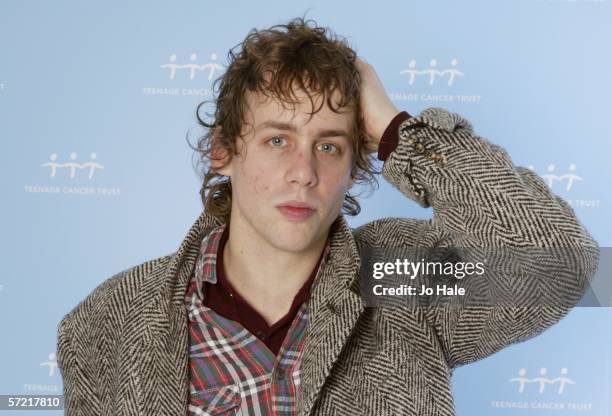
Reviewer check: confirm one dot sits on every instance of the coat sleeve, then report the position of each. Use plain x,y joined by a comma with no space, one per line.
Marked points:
78,388
539,258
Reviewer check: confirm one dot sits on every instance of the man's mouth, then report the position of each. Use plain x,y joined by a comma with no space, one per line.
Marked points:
295,210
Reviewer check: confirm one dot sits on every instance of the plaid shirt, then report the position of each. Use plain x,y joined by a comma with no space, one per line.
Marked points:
231,370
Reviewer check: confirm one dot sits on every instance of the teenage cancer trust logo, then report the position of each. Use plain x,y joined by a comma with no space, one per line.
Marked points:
193,67
542,390
542,381
46,381
182,71
567,182
72,165
433,82
72,175
432,73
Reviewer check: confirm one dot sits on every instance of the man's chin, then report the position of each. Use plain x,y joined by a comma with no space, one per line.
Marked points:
294,240
296,244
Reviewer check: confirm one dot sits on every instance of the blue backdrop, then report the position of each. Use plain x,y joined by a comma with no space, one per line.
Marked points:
97,98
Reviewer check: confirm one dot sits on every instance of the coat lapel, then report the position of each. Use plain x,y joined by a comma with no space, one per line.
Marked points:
335,306
164,356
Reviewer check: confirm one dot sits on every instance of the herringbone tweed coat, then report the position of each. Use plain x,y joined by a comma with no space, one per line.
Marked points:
123,349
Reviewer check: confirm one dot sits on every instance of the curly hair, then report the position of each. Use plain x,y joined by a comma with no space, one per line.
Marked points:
272,62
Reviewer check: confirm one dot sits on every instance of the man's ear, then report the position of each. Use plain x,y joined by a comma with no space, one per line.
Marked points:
219,156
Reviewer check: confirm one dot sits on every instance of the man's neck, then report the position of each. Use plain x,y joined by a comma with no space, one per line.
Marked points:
265,276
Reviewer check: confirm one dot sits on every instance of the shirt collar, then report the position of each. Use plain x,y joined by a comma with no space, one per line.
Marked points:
206,264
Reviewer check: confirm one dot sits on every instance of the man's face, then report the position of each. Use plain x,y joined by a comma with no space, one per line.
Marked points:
291,174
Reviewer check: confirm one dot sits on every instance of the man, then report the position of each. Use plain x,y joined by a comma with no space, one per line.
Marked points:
259,311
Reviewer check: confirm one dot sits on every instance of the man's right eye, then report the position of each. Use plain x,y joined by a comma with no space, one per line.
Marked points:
276,141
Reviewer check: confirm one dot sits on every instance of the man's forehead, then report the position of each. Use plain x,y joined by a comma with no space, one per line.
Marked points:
265,106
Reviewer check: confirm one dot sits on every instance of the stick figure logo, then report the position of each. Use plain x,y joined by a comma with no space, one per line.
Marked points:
432,73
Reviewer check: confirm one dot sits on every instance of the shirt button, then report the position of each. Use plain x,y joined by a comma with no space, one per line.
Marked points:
280,374
261,335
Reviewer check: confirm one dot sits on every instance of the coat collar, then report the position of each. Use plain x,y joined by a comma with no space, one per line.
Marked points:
335,305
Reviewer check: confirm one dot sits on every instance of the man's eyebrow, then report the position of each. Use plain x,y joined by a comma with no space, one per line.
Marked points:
291,127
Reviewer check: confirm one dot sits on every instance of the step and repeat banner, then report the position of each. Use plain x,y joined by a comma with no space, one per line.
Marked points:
97,110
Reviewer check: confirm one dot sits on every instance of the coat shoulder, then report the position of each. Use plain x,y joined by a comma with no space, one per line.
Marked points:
116,294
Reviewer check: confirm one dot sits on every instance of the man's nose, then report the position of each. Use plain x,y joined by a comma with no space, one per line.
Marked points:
302,169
